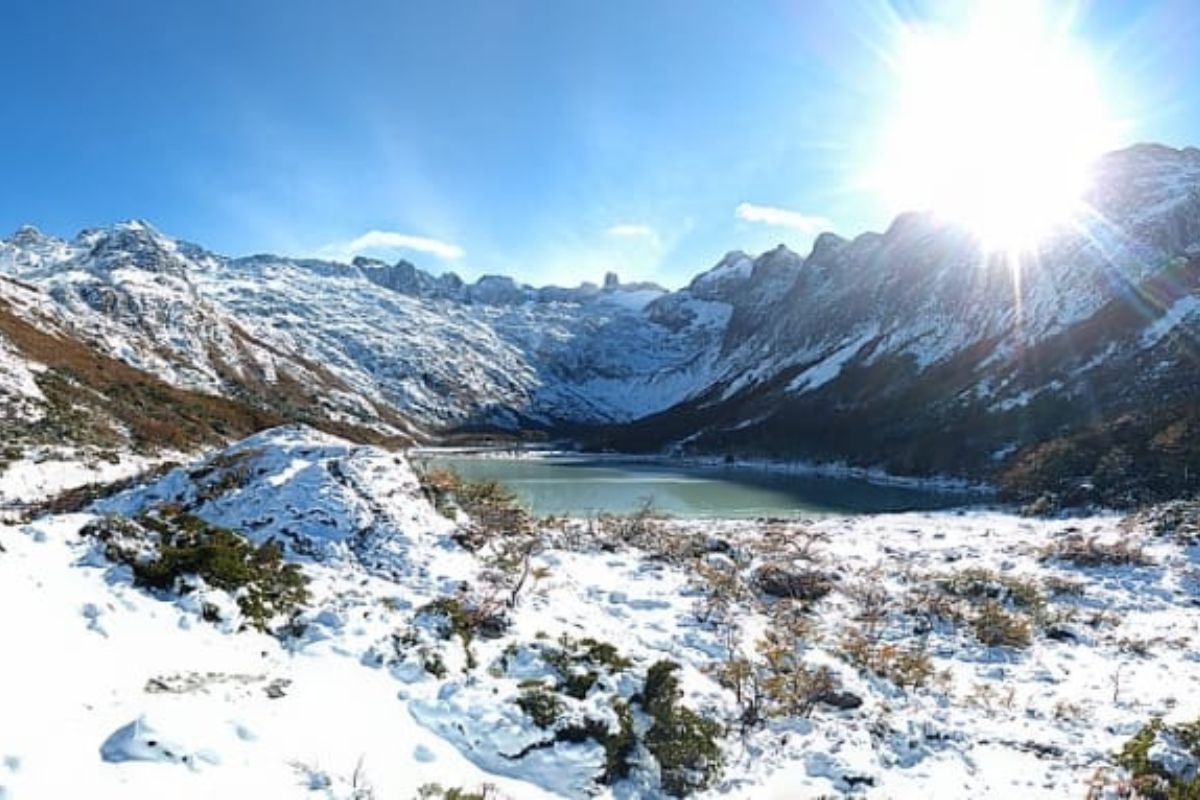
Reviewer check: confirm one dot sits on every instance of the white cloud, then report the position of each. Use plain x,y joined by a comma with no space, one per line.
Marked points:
630,231
391,242
782,217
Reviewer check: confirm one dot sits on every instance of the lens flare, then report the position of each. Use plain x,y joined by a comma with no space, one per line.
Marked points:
996,124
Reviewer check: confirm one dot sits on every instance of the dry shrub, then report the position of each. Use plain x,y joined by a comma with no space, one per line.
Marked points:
996,627
1089,551
905,666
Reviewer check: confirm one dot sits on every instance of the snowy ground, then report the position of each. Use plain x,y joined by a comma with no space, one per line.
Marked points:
132,694
46,471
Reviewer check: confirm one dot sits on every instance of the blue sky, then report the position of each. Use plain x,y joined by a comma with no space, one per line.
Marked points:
550,140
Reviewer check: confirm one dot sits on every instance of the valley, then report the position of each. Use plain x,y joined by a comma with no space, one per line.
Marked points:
948,366
928,536
502,400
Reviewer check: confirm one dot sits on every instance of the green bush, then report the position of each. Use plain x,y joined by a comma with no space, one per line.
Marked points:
433,663
580,664
435,791
683,742
908,666
1148,778
265,585
493,510
1085,551
546,711
660,692
454,618
619,746
541,705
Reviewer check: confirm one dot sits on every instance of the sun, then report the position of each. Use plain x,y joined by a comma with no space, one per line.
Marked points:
996,124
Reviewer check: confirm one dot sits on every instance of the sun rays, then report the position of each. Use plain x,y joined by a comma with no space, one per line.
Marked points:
996,123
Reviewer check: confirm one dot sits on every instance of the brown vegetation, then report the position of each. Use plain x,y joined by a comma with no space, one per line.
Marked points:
92,396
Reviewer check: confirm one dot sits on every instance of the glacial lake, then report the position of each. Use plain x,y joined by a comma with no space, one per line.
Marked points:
568,485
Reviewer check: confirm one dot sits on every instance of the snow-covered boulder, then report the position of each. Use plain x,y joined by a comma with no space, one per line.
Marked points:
321,497
173,740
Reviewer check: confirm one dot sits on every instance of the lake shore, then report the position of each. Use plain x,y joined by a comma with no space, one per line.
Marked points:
557,482
873,475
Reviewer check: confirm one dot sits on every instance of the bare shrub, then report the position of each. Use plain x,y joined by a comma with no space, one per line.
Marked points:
1089,551
905,666
995,627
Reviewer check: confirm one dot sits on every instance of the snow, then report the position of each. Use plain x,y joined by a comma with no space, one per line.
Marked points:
632,299
19,393
383,344
829,367
1179,311
87,689
734,267
78,711
447,356
133,695
1025,397
45,472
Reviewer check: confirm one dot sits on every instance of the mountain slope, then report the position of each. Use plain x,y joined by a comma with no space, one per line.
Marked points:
492,352
912,349
58,390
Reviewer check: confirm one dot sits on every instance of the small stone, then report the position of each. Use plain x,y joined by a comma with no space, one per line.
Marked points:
841,700
1061,633
492,626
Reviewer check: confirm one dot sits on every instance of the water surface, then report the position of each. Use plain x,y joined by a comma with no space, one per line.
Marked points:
583,486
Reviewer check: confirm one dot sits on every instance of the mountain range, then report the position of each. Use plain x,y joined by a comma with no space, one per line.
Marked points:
1069,370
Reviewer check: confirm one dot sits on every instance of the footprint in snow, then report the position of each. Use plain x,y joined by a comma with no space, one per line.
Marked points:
637,604
92,613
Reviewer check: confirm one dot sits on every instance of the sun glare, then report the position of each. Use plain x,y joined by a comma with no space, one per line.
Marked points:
997,123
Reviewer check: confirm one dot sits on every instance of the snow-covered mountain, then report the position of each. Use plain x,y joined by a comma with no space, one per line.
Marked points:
914,349
865,350
385,343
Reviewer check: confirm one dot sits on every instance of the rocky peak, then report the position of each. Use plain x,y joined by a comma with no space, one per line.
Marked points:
496,290
727,276
132,244
826,246
365,262
781,258
27,236
28,250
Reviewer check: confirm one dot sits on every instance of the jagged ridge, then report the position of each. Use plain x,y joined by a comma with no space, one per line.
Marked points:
909,348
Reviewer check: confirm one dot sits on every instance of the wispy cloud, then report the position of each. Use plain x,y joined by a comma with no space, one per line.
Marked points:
782,217
390,243
631,231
